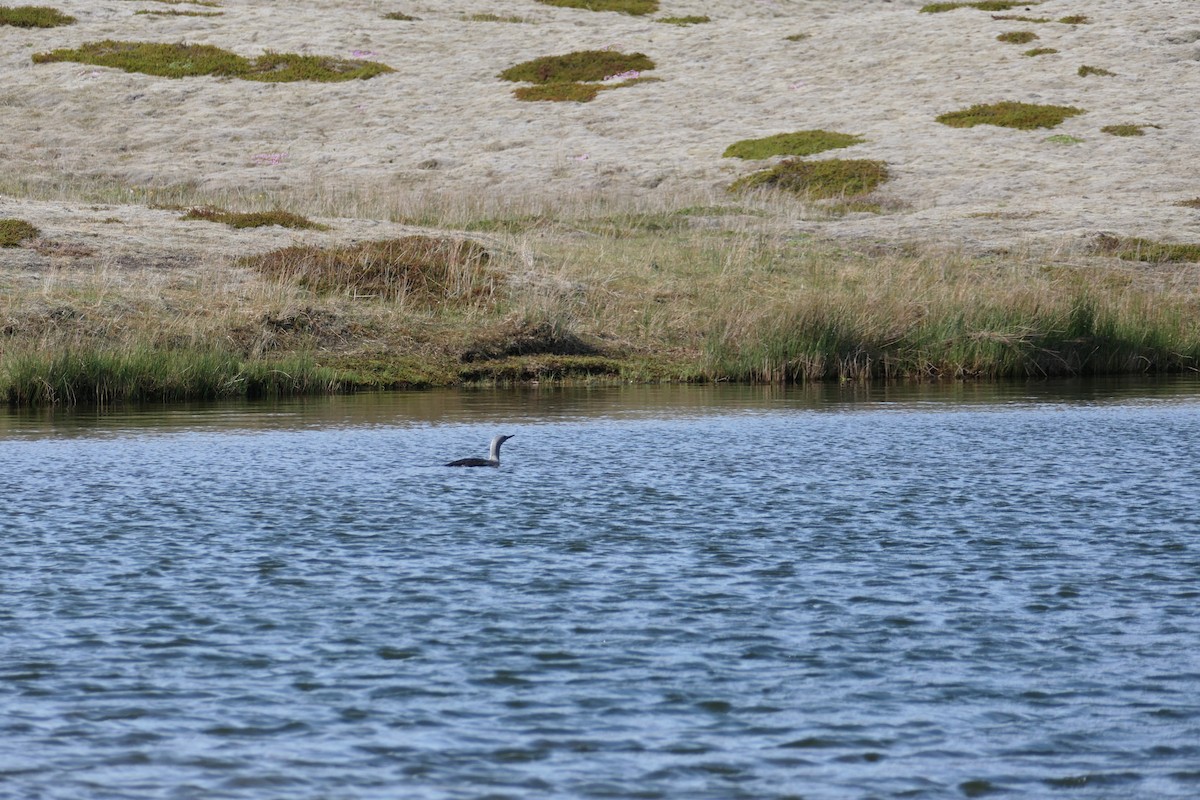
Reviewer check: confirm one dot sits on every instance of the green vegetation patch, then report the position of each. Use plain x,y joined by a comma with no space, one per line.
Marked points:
173,13
1008,114
1020,18
583,65
1135,249
429,270
1039,51
1017,37
634,7
399,15
800,143
254,219
104,375
576,76
797,37
819,180
33,17
1124,130
185,60
1062,138
1193,203
15,231
1075,19
1085,70
683,20
984,5
492,18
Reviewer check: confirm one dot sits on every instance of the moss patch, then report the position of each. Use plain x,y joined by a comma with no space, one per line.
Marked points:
1075,19
984,5
15,231
800,143
429,270
1085,70
185,60
635,7
254,219
1023,116
33,17
399,15
1135,249
1017,37
1039,51
819,180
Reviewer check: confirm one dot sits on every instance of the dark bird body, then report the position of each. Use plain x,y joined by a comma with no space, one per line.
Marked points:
493,459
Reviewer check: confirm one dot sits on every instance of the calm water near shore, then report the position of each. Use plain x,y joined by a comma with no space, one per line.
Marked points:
676,592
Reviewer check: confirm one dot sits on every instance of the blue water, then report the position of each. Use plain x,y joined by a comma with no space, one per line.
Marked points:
676,593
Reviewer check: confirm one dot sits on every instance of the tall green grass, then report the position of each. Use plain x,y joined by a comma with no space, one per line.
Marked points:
103,376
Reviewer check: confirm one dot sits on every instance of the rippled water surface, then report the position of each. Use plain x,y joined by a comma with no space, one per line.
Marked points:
683,593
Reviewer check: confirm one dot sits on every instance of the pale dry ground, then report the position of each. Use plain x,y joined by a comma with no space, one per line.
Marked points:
444,125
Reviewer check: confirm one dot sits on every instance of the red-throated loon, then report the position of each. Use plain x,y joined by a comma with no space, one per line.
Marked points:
493,459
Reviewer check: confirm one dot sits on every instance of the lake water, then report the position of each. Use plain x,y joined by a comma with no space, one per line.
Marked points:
662,592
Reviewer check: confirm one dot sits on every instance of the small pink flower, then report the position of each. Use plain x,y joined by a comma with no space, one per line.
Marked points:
269,159
362,53
583,157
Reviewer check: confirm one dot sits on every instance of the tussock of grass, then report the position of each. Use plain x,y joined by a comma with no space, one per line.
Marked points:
15,231
583,65
33,17
102,375
800,143
819,180
634,7
683,20
1039,51
401,16
1136,249
427,270
1075,19
1023,116
1085,70
559,92
1017,37
983,5
184,60
254,219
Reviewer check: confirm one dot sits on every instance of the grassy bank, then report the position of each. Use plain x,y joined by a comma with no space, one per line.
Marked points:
723,290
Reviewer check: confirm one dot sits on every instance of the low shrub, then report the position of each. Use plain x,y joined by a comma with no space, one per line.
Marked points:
428,270
819,180
33,17
184,60
254,219
15,231
1008,114
800,143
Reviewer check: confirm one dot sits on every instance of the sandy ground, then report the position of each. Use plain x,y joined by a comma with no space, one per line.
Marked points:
443,122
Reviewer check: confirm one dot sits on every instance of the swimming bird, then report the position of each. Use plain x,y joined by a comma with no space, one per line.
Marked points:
493,459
